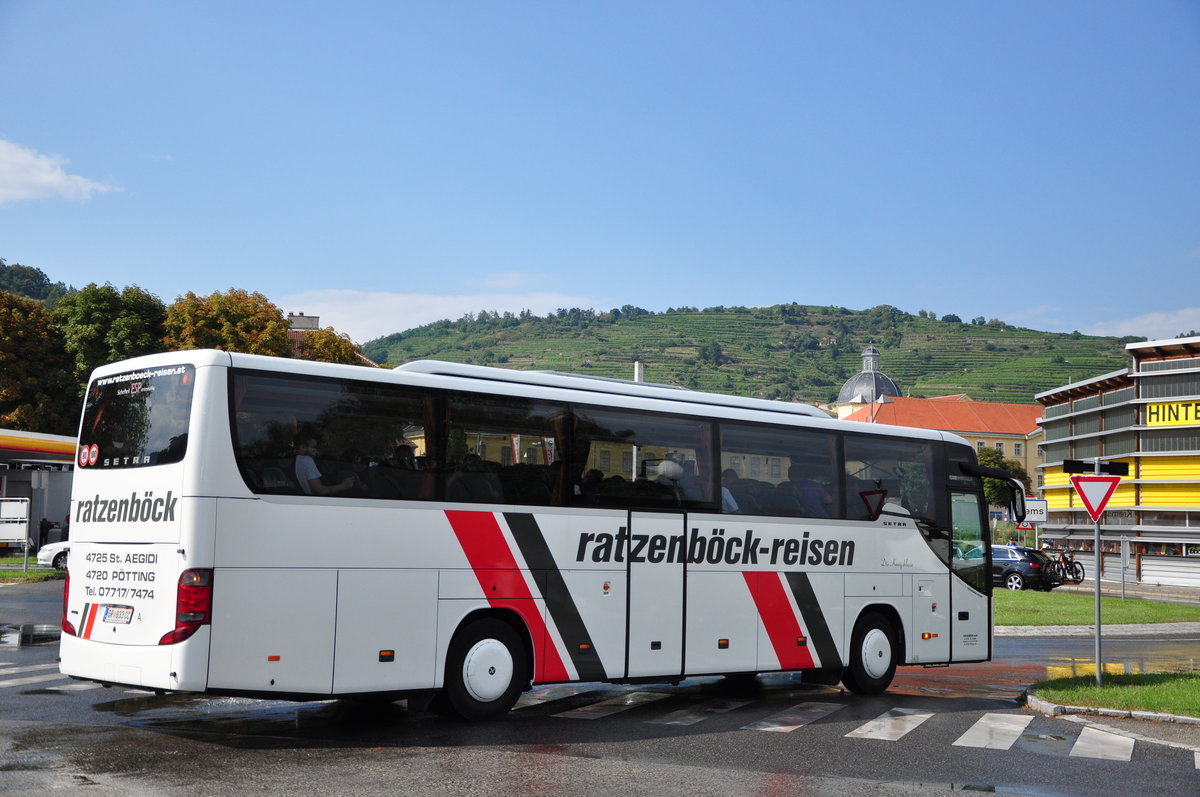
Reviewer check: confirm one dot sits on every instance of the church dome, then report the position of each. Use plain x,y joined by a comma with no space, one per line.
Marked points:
869,384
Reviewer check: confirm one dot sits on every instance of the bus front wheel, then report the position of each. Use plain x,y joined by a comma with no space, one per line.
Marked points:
486,670
873,650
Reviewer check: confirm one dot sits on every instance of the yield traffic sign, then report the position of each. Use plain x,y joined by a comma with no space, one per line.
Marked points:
1095,491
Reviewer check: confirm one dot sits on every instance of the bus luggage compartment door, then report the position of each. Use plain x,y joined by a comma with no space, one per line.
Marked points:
656,589
272,630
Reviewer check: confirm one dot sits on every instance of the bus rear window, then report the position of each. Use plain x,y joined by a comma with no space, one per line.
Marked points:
137,419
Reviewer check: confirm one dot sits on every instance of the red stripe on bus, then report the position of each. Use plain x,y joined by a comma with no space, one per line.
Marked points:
775,611
91,619
496,568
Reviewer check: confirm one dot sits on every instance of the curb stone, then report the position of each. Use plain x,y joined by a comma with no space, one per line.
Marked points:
1041,706
1076,714
1114,630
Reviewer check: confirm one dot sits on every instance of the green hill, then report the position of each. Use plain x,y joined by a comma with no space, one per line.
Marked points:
790,352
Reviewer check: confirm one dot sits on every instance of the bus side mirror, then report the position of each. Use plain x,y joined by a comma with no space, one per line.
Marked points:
1016,501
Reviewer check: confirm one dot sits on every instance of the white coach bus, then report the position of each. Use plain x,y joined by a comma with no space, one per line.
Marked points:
246,525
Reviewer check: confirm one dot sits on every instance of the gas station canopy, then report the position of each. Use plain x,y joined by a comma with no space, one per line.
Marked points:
34,449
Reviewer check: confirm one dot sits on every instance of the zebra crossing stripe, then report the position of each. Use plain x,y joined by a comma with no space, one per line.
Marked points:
28,668
795,717
539,696
891,725
612,705
690,716
33,679
1094,743
995,731
75,686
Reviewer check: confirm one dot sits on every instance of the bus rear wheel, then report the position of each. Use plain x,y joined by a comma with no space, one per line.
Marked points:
873,650
486,670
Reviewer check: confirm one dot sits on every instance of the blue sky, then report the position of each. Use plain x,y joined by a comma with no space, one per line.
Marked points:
387,164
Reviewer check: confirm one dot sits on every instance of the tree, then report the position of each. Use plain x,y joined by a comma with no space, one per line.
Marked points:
233,321
995,491
31,283
99,325
327,346
37,393
711,354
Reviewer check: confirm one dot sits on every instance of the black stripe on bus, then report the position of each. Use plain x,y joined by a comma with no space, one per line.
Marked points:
814,619
559,602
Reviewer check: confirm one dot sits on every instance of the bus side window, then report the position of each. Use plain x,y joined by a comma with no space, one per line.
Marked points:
362,425
780,471
902,470
504,450
643,459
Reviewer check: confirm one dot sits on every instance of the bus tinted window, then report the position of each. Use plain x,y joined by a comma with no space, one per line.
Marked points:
970,536
504,450
779,471
641,459
902,468
138,418
365,439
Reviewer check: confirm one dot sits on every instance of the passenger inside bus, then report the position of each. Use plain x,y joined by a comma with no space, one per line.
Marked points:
811,496
309,475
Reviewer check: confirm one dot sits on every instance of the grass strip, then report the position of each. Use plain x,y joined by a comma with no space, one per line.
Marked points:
11,571
1029,607
1167,693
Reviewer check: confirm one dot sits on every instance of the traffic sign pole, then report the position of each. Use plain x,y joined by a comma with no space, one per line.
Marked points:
1094,491
1099,559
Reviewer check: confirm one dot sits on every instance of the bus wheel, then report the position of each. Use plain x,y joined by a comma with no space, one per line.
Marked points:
873,651
486,670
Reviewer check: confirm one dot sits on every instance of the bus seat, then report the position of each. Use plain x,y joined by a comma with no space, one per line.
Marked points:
275,480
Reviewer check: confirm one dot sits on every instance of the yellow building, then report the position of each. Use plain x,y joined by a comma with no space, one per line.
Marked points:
1148,417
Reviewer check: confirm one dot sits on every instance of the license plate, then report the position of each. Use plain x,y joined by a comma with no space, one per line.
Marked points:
118,614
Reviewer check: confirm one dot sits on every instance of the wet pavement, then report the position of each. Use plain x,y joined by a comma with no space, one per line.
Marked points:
1020,660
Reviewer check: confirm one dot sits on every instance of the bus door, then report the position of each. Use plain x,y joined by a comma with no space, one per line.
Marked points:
971,583
932,608
656,558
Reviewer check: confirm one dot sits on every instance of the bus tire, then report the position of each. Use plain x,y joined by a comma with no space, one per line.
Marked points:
486,670
873,649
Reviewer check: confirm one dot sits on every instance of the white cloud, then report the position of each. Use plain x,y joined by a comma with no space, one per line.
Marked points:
1154,326
1042,316
507,281
28,174
366,315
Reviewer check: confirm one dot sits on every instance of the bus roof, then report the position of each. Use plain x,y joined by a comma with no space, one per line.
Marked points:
600,384
447,374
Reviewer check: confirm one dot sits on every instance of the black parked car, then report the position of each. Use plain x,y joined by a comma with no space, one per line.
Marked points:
1022,568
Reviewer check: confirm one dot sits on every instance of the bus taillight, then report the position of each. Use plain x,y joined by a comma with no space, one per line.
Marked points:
193,605
67,627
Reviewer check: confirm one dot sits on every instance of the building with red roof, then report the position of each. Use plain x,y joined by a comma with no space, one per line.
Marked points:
1011,429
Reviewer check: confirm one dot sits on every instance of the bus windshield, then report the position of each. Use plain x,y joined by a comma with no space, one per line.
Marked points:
137,418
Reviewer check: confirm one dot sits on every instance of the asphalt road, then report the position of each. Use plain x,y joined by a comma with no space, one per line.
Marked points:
936,731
